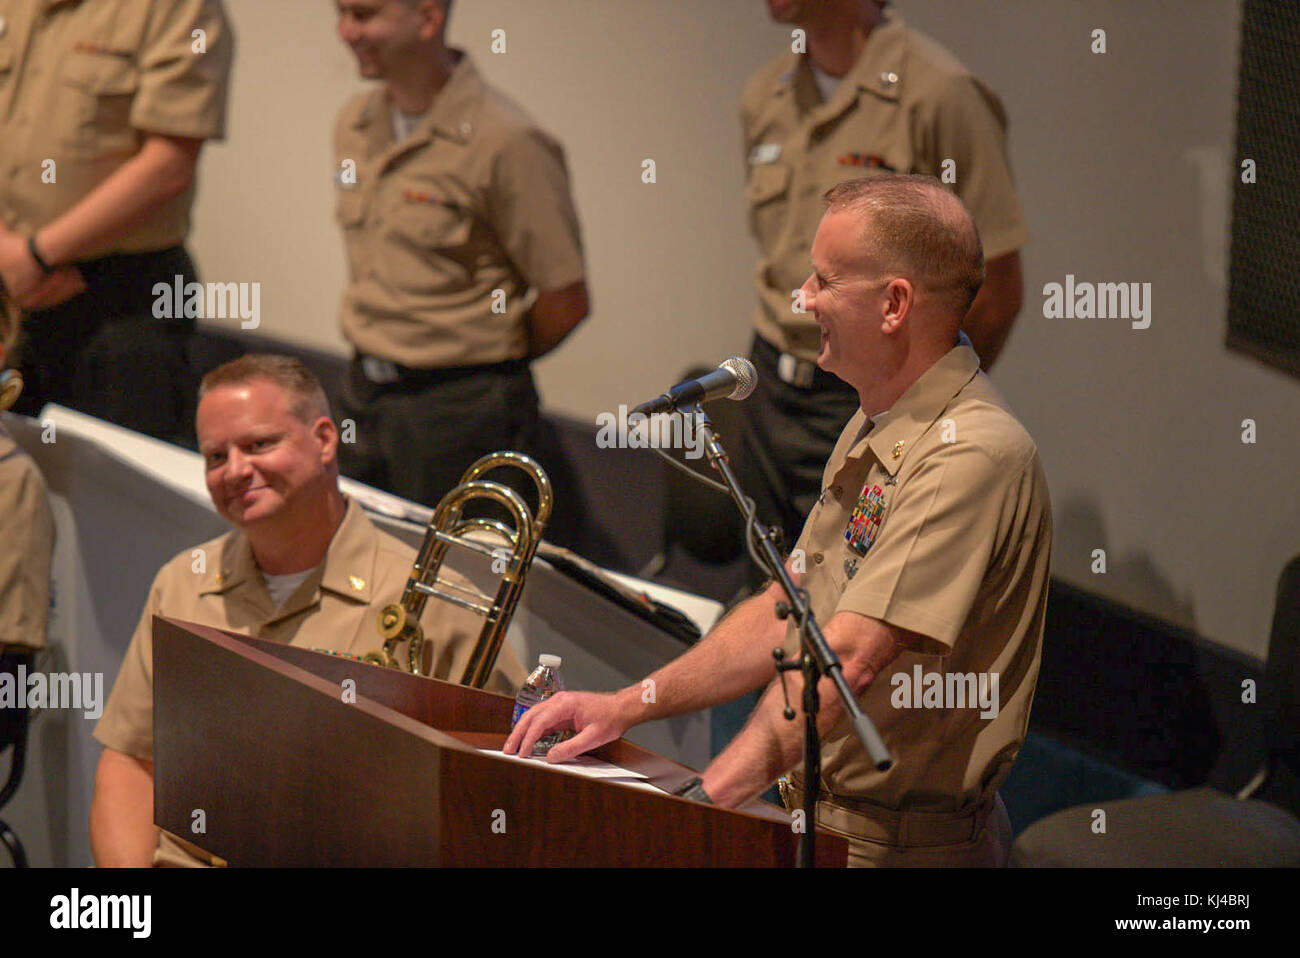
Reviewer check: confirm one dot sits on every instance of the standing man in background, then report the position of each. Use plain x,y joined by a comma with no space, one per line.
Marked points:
464,255
104,107
868,95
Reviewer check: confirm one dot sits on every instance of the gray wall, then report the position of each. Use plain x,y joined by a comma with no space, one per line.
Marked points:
1125,164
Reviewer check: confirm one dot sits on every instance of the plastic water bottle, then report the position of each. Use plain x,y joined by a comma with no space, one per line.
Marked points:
544,682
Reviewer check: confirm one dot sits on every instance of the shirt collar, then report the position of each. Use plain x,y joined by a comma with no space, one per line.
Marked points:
879,69
348,569
452,114
894,433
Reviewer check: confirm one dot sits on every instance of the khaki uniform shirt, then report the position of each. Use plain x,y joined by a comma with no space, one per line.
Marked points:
82,81
449,230
937,521
336,607
906,106
26,544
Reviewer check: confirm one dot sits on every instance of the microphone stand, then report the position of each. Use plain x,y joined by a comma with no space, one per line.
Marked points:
817,659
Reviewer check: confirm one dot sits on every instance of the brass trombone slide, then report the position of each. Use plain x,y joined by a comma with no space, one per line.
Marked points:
400,621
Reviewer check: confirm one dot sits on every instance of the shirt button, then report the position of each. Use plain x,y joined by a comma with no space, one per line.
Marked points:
818,557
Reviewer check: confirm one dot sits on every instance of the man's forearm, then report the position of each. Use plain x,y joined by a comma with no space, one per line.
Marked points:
991,316
769,744
554,315
162,170
734,658
122,832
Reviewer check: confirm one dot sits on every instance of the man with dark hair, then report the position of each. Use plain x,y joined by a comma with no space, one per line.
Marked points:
464,255
925,560
305,567
104,109
858,93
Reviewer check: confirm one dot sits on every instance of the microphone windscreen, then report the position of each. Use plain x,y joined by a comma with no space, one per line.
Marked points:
746,376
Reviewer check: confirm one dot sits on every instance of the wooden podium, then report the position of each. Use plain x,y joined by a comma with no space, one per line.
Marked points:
290,764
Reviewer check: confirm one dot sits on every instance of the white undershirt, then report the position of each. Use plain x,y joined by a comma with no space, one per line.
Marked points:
283,586
826,83
403,124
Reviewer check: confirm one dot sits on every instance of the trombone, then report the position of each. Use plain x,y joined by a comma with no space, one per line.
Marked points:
400,621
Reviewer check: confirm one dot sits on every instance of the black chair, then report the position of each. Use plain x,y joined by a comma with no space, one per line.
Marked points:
13,732
1201,827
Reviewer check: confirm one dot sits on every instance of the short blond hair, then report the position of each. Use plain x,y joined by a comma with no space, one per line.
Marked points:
920,229
308,396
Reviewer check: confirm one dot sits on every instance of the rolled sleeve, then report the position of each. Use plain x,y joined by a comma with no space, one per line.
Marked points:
969,127
183,92
928,564
532,211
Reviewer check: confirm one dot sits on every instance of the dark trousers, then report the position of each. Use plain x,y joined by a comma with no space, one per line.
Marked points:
417,436
789,434
105,354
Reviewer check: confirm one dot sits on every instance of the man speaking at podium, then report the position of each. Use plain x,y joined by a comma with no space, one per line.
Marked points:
925,560
304,566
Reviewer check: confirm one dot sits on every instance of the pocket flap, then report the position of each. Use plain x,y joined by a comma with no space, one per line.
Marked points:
766,182
99,73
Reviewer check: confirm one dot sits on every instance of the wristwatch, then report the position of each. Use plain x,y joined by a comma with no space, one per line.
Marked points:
46,268
694,790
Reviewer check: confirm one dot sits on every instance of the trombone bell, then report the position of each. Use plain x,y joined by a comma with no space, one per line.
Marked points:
448,528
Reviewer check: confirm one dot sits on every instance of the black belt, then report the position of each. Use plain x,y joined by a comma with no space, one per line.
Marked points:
382,372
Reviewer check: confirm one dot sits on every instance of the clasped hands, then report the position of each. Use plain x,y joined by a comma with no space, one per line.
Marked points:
26,284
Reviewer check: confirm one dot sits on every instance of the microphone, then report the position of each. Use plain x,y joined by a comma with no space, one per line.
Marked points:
734,379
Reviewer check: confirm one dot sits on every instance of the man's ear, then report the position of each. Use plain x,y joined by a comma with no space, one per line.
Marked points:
434,15
326,433
900,295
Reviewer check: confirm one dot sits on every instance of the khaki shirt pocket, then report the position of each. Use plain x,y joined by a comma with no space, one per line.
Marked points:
350,207
350,212
767,192
430,225
94,108
428,249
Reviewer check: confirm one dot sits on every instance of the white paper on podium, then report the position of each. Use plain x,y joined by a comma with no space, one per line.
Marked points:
586,767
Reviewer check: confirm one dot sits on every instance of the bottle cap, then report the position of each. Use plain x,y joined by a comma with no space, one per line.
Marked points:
550,661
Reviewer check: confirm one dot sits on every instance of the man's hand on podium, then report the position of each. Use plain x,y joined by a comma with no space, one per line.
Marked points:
595,718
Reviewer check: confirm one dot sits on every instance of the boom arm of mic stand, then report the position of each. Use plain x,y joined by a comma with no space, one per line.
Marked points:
818,658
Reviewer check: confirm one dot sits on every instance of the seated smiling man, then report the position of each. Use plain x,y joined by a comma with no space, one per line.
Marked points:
304,566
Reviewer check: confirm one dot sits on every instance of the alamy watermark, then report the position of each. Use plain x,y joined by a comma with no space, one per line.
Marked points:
636,430
1084,300
77,911
53,690
948,690
179,299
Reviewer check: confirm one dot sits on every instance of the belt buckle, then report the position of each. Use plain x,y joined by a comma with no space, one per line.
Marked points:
795,371
379,371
